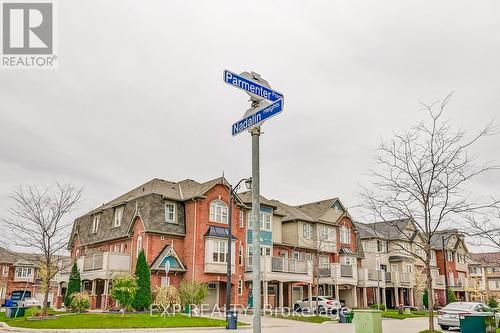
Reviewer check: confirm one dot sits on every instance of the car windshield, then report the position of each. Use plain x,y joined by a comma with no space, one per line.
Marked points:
459,306
329,298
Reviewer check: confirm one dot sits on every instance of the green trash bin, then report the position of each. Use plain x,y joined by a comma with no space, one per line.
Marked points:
15,312
367,321
478,323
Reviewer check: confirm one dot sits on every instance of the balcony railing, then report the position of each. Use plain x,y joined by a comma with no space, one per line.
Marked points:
104,262
405,277
93,262
279,265
346,271
439,280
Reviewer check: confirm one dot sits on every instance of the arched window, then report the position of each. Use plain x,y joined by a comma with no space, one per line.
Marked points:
218,211
139,246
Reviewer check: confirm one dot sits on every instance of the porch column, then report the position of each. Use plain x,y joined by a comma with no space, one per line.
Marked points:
365,298
384,300
466,296
412,297
59,289
309,295
396,296
281,295
355,297
337,296
94,283
266,296
106,293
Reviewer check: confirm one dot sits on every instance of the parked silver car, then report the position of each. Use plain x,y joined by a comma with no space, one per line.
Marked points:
449,316
29,302
321,304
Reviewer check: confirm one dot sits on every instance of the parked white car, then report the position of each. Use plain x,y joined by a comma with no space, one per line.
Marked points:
323,304
29,302
449,316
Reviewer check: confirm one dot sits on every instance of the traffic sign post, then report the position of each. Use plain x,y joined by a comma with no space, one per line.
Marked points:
259,91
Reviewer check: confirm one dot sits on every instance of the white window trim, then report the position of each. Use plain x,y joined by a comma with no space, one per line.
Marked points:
242,219
118,221
345,235
307,231
240,287
5,271
96,219
138,246
266,221
174,212
214,215
219,247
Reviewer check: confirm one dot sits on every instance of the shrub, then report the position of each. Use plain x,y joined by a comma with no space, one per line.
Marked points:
124,289
80,301
192,292
451,296
143,296
492,302
73,285
376,307
167,297
425,298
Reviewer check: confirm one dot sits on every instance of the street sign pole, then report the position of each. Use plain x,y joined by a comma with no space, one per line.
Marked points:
260,93
256,230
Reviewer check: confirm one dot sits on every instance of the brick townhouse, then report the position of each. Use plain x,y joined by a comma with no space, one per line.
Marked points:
451,253
19,273
183,223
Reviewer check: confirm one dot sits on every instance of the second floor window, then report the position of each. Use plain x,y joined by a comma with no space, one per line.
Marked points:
460,258
5,271
219,253
218,211
381,246
95,223
117,220
307,231
345,235
24,272
242,219
169,212
326,233
139,246
265,221
433,255
449,255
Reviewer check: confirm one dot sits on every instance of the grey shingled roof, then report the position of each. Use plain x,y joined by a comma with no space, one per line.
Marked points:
317,209
145,201
291,213
437,238
10,257
217,232
385,229
246,198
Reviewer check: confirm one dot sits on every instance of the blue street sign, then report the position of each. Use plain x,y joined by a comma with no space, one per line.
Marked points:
251,87
257,117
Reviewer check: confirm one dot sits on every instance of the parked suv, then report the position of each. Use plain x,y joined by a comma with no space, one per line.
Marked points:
321,304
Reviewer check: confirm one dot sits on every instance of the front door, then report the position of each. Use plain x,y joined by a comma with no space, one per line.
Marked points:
213,295
297,294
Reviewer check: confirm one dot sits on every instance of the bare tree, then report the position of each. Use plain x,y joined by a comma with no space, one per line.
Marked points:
484,229
424,173
38,221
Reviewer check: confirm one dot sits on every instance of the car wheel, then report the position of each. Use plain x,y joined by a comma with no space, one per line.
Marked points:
444,327
321,310
296,308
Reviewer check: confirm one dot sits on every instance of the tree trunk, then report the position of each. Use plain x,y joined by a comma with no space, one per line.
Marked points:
46,297
430,297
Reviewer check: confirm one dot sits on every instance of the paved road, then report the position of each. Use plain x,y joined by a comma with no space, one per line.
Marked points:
275,325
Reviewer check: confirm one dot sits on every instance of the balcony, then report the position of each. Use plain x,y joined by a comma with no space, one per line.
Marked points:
338,274
458,283
103,265
438,282
370,277
405,278
281,269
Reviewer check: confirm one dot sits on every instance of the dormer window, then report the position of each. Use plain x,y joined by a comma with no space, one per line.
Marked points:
95,223
169,212
117,219
218,211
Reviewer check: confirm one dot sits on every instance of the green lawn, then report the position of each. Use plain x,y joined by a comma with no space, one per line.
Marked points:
306,318
104,320
391,313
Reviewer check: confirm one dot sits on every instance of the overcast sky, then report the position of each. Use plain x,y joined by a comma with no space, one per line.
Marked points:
138,93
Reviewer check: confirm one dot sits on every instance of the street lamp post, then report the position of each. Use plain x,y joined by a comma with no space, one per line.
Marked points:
248,184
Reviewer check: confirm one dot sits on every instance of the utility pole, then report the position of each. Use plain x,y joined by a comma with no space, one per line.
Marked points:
445,253
229,253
